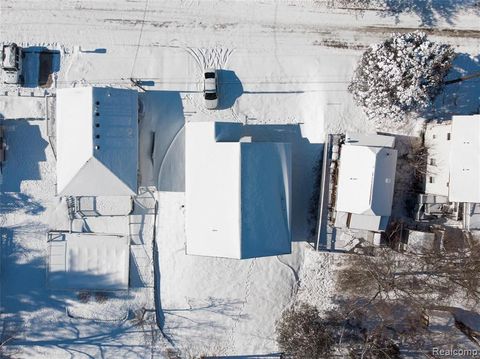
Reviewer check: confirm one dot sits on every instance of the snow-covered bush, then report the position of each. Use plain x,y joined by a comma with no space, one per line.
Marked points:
401,75
302,334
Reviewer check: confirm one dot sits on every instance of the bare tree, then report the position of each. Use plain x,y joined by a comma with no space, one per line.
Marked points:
422,279
302,334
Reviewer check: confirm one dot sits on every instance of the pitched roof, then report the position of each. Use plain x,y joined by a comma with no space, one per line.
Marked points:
464,184
237,194
366,180
97,141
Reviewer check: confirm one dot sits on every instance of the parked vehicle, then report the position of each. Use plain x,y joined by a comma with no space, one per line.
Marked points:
210,89
12,64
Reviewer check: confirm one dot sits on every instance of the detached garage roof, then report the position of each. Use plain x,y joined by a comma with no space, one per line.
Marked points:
464,185
366,180
237,194
87,261
97,141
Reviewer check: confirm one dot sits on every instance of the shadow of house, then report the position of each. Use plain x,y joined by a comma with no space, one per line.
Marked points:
305,158
26,148
410,171
162,159
430,12
229,89
39,63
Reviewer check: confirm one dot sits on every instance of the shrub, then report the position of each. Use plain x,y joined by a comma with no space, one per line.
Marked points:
301,333
401,75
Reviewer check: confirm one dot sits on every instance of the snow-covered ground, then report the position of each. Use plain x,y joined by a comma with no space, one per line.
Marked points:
283,62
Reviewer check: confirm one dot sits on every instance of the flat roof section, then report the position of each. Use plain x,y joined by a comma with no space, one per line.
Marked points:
87,261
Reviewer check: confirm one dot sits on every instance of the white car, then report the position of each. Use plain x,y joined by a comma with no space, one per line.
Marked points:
210,89
12,64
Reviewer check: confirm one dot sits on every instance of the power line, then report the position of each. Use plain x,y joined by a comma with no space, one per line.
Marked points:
140,36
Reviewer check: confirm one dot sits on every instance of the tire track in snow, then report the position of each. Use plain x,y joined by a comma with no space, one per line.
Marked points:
216,58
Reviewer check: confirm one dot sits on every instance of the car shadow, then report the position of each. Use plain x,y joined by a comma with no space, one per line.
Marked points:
229,89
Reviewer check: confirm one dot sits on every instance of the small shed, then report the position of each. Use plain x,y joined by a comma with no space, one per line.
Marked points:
87,261
366,181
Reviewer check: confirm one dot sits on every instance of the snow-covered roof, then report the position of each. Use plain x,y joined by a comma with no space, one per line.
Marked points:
237,195
465,159
88,261
361,139
438,142
97,141
366,180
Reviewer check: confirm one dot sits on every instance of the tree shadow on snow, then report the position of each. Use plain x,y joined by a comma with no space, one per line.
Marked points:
10,202
26,298
26,148
461,98
430,12
199,314
255,356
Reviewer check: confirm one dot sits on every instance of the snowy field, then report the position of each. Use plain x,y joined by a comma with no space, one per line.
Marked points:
282,63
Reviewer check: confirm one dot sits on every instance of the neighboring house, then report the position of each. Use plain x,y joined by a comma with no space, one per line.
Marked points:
453,168
97,141
365,182
238,193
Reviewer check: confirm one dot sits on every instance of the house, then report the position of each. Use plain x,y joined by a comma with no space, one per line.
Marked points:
365,184
87,261
238,193
453,168
97,141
